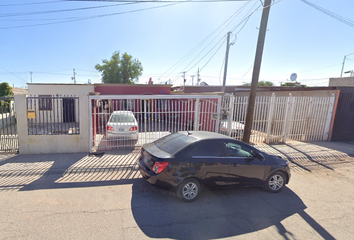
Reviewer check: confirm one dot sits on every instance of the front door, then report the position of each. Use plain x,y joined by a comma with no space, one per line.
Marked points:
245,167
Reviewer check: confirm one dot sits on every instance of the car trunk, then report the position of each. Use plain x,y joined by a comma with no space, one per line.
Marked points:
151,154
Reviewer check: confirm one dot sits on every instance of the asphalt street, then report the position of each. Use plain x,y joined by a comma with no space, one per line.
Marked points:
77,196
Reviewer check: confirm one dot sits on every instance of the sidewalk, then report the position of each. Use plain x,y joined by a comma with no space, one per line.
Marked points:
28,172
310,156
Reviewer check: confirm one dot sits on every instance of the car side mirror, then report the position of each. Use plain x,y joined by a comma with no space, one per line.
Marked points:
258,155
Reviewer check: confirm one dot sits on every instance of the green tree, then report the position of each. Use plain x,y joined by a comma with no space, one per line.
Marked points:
120,69
261,84
5,90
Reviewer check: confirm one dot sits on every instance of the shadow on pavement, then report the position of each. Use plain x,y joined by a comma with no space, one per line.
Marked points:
217,213
48,171
310,156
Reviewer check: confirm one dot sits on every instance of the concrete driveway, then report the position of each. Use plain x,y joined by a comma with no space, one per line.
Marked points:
76,196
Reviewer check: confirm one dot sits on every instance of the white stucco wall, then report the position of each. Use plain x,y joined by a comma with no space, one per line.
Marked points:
38,144
61,89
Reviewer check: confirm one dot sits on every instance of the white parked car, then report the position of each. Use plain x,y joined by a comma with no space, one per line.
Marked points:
237,128
122,125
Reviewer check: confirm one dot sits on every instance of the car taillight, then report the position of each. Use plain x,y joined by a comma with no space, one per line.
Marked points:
135,128
159,166
109,128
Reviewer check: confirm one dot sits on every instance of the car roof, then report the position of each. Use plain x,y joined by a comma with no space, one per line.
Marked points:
123,112
202,135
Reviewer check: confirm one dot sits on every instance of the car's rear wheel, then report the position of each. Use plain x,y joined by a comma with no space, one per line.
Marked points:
189,190
275,182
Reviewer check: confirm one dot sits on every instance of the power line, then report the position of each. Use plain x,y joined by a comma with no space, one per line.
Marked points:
309,70
330,13
14,74
184,58
91,17
221,70
248,70
246,18
212,56
20,4
206,47
157,1
61,10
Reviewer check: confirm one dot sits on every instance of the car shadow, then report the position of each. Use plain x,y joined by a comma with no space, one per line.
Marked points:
217,213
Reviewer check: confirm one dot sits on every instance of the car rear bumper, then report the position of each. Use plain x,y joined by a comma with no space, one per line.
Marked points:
161,180
125,136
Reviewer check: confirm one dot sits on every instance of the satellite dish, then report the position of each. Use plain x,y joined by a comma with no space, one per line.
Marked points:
293,77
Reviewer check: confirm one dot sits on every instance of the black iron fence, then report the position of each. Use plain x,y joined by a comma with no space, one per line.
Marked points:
8,127
53,115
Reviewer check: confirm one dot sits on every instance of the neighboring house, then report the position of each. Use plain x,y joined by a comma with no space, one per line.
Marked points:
202,89
131,89
342,82
57,89
19,91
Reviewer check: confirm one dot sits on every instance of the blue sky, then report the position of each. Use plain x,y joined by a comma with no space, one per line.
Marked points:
299,39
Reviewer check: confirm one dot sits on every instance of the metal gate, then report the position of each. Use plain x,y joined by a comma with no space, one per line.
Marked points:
126,121
8,127
279,118
343,128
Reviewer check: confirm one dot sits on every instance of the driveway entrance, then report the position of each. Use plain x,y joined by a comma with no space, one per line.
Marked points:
155,116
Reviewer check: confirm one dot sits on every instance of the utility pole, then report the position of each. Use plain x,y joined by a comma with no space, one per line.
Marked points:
184,79
198,79
256,71
31,76
341,73
74,78
226,60
345,57
192,79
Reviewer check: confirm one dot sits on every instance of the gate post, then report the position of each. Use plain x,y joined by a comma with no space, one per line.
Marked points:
287,117
231,114
329,118
196,115
218,114
22,123
92,124
270,117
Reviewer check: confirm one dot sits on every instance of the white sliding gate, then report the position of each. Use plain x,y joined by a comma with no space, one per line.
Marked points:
155,115
279,118
276,118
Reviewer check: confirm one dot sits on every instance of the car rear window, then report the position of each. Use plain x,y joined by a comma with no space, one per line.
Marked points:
122,118
174,142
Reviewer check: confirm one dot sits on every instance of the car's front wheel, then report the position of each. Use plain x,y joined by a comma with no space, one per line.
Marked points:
275,182
189,190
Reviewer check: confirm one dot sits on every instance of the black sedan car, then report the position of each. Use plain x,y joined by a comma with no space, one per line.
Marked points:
186,161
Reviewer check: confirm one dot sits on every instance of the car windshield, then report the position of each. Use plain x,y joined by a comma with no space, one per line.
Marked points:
122,118
174,142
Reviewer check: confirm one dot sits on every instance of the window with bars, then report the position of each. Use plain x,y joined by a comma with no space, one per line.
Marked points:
45,102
